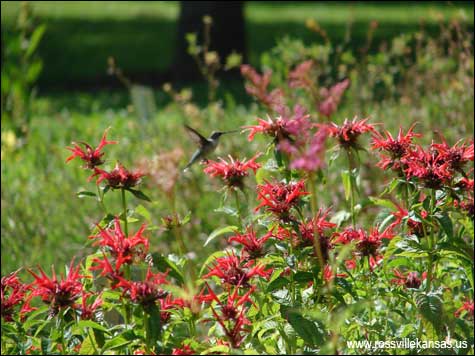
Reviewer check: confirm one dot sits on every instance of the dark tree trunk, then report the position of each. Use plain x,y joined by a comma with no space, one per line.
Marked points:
227,33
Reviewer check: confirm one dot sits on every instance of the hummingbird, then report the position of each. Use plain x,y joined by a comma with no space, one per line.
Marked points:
205,145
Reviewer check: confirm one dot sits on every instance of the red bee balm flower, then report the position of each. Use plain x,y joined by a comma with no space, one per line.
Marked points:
252,245
119,177
144,292
87,311
232,317
123,248
409,280
236,271
349,132
58,293
431,169
92,157
456,156
14,293
233,172
396,147
467,306
185,350
279,198
283,126
366,244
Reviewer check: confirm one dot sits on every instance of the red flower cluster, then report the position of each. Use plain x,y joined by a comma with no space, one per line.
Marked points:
119,177
428,167
14,293
415,227
232,316
348,133
123,248
367,245
307,232
232,172
257,86
86,310
92,157
184,350
58,293
284,127
236,271
409,280
396,147
468,306
252,246
144,292
279,198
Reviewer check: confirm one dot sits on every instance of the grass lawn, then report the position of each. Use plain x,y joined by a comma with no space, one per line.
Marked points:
81,35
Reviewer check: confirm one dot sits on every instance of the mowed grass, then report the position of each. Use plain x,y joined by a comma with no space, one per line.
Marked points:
81,35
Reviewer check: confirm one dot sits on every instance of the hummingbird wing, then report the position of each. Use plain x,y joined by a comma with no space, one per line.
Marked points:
196,136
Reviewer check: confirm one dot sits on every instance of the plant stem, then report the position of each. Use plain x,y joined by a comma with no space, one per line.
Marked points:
352,196
124,210
238,207
128,311
316,238
430,240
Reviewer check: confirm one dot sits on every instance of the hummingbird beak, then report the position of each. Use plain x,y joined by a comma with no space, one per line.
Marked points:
228,132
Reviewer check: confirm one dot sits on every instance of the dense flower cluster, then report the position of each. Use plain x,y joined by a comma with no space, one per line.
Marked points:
232,172
279,198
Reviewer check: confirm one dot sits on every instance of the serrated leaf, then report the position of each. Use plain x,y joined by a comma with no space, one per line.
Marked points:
446,223
310,331
430,307
219,232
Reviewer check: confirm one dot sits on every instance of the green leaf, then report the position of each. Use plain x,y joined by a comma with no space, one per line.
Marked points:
35,39
115,343
310,331
346,177
430,307
139,194
218,349
219,232
277,283
87,348
384,202
153,325
141,210
446,223
91,324
303,277
85,193
164,264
